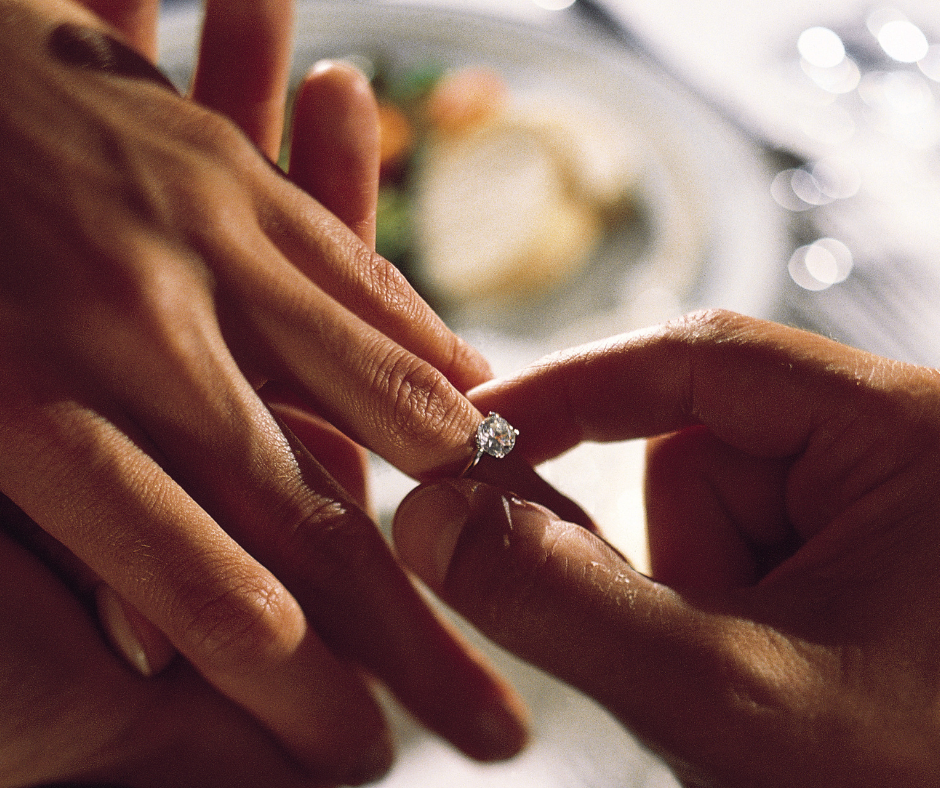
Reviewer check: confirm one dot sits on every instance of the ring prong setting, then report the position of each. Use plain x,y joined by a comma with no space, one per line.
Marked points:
495,437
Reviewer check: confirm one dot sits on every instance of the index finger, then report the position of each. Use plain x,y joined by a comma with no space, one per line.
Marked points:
760,386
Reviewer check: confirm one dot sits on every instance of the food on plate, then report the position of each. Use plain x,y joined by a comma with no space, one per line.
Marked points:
492,193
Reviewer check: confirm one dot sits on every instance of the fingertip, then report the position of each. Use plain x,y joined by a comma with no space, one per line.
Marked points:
335,143
345,73
374,762
426,528
502,729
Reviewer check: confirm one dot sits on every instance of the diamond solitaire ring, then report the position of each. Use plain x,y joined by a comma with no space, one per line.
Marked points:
495,436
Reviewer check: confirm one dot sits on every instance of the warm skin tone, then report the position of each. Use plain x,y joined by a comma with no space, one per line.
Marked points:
162,286
73,710
790,634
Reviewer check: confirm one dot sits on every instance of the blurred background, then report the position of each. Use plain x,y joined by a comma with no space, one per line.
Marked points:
556,172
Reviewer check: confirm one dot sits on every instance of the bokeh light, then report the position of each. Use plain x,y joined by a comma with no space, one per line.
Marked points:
896,92
821,47
818,183
903,41
821,264
840,78
881,16
929,64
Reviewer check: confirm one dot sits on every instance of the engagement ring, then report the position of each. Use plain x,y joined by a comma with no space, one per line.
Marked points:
495,436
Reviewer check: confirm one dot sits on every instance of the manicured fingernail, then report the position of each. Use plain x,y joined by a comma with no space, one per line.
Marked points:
134,638
120,632
427,526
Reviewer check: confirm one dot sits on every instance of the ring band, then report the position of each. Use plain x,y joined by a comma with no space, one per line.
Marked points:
494,436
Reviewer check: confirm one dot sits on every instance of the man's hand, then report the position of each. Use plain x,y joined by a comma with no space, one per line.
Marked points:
789,634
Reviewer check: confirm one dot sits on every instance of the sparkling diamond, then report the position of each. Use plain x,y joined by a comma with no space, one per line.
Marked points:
495,436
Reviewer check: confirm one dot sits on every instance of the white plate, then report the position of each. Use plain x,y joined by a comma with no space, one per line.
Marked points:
712,237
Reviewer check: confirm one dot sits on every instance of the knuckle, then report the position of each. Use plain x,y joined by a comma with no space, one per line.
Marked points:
758,671
141,292
454,357
215,130
420,404
336,546
387,284
209,134
213,161
253,621
163,289
709,324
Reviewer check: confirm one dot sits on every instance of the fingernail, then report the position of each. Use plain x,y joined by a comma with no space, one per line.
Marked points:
354,64
502,731
148,652
320,66
375,763
426,528
119,630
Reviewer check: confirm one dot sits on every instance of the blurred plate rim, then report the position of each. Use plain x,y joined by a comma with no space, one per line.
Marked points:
716,176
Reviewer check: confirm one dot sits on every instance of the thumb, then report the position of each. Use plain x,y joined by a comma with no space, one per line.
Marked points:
691,678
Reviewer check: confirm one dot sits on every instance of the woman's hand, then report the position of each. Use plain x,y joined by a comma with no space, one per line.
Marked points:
72,711
156,274
790,635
